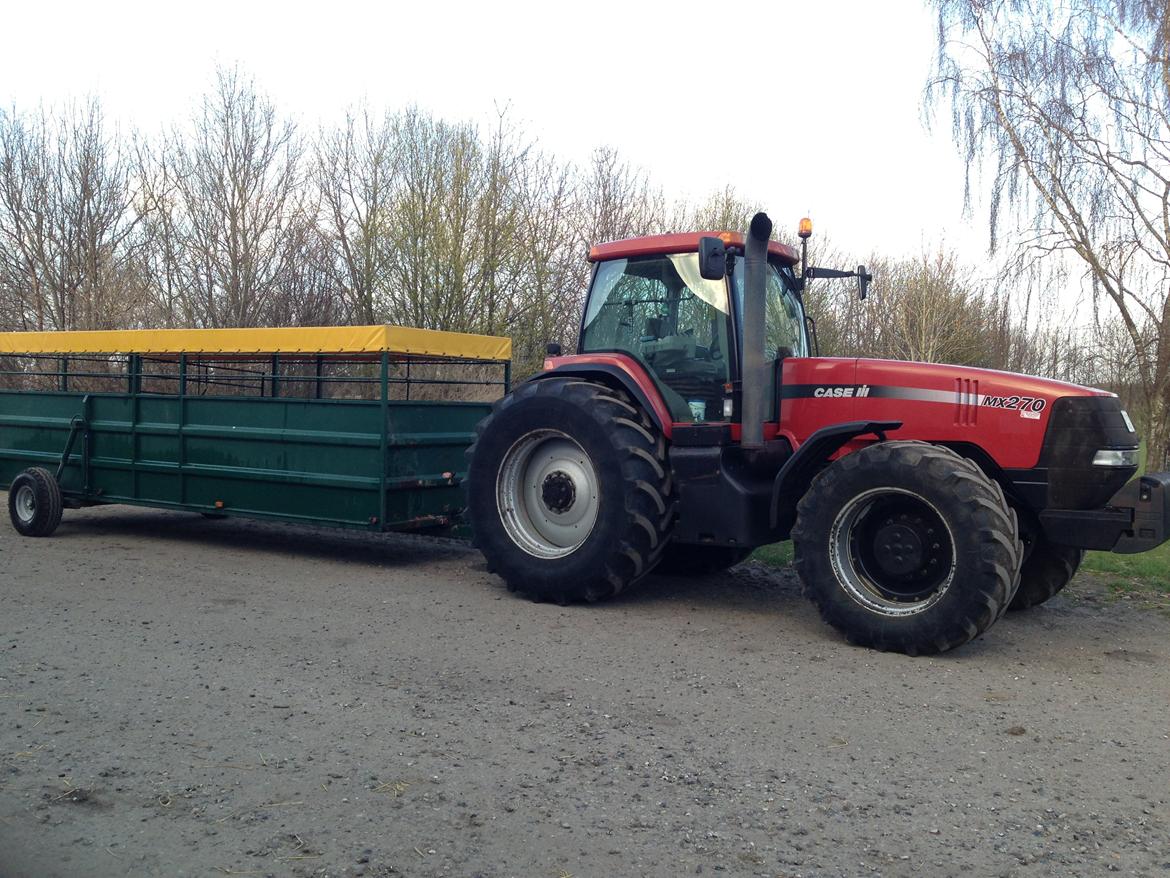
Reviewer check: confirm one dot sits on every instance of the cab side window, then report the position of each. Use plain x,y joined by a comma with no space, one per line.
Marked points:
659,310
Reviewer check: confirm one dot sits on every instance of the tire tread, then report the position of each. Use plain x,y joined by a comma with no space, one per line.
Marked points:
980,505
647,503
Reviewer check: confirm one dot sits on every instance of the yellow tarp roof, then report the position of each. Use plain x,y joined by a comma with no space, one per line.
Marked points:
284,340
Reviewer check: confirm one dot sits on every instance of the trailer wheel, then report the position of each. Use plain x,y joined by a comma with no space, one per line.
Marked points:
569,492
1047,569
35,503
688,559
908,547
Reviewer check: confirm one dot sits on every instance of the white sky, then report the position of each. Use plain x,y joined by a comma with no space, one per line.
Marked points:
812,107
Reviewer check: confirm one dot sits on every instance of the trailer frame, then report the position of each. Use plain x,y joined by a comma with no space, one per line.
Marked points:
341,426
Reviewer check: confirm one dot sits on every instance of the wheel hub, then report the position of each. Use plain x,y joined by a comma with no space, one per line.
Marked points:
899,549
558,491
548,494
892,551
26,504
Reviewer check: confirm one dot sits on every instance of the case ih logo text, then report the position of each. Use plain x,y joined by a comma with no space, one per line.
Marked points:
854,390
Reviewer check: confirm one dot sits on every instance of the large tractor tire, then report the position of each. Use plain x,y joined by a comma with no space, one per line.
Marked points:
1047,569
569,491
908,547
688,559
35,503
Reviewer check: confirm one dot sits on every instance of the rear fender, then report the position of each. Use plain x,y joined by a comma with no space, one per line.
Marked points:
616,371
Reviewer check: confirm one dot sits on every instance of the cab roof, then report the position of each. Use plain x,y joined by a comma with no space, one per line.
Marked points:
681,242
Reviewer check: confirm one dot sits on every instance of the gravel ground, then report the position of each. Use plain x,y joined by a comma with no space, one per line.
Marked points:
181,696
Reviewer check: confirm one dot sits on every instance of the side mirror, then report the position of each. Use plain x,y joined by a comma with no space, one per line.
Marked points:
863,280
553,349
712,259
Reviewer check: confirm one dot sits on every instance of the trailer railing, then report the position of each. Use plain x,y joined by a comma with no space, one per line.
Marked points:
320,376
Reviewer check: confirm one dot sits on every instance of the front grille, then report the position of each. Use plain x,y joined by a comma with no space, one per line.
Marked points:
1078,427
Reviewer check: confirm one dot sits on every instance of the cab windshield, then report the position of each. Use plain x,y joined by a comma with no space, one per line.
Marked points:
660,310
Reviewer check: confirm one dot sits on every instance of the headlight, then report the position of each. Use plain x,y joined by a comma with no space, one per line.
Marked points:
1116,457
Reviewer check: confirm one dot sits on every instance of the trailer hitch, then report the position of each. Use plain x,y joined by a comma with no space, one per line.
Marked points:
78,424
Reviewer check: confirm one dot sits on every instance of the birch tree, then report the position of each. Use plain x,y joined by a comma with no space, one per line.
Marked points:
1065,106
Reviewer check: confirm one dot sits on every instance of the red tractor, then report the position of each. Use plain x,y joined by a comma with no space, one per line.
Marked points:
695,423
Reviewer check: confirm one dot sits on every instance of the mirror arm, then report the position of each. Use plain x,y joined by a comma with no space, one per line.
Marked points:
813,271
863,277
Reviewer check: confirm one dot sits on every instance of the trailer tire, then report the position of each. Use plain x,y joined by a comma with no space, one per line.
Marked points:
569,492
907,547
34,503
688,559
1047,569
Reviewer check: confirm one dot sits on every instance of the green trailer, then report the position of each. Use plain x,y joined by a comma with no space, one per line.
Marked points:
357,427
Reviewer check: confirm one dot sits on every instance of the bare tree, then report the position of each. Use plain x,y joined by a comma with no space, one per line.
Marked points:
67,215
232,186
616,200
1068,104
402,217
545,304
356,172
431,228
934,311
724,210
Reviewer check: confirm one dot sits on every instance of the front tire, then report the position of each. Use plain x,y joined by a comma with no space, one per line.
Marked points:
1047,570
569,491
908,547
34,503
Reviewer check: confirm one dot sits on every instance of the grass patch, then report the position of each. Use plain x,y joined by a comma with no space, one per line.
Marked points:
775,555
1150,570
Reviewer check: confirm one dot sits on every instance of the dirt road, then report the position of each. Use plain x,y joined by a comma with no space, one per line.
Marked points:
189,697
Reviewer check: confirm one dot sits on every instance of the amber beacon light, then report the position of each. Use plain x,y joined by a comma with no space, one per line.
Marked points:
805,228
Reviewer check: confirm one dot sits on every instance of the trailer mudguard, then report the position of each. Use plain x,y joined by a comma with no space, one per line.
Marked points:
800,469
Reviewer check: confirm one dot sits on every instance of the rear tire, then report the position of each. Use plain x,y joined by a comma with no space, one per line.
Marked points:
34,503
1046,571
569,492
908,547
688,559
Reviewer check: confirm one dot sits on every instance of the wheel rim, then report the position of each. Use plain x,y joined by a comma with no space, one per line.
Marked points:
892,552
547,494
26,504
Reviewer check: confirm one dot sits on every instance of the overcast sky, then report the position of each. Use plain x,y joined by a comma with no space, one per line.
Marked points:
811,107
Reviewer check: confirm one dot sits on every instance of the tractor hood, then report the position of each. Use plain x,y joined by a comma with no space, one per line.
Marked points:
1002,412
990,382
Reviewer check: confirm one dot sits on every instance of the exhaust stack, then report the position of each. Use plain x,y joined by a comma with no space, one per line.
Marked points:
754,377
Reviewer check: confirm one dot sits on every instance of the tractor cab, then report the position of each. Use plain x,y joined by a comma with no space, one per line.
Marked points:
650,299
